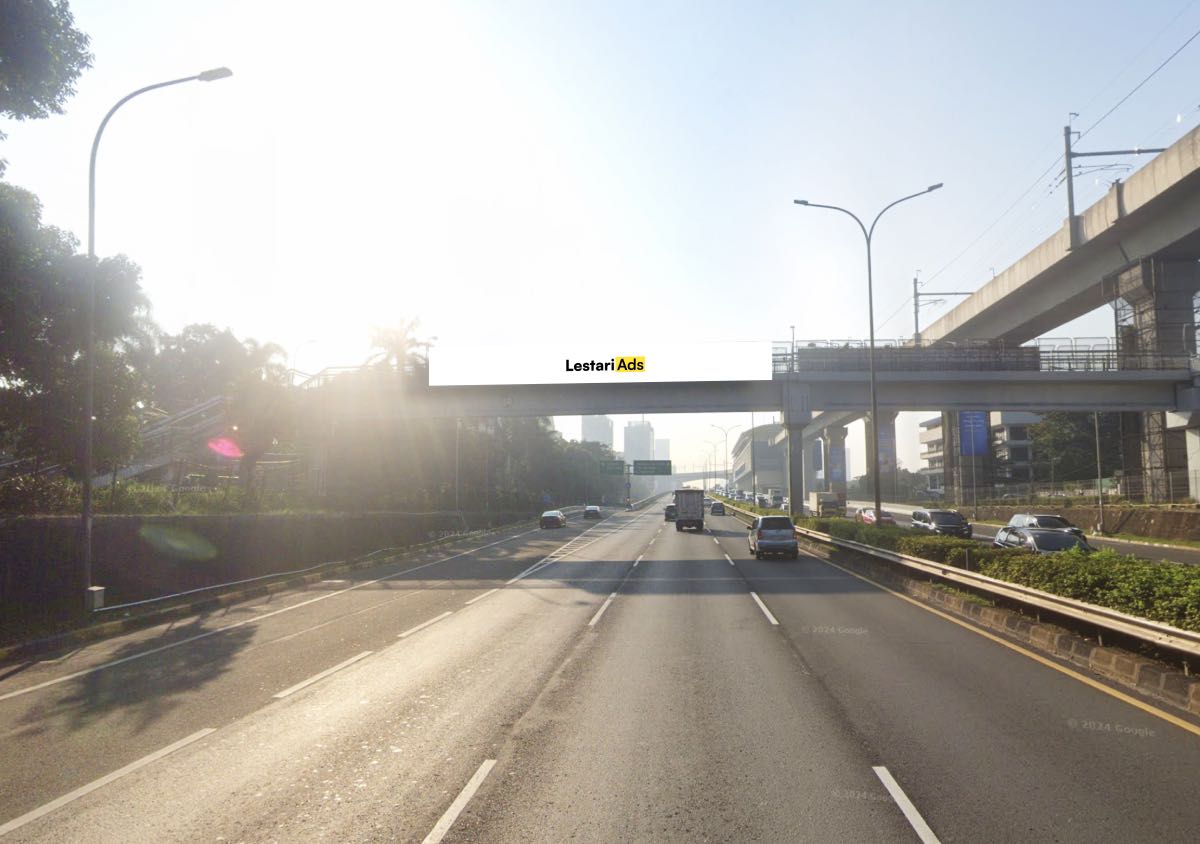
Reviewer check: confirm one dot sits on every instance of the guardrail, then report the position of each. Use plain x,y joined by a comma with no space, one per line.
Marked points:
1153,632
573,509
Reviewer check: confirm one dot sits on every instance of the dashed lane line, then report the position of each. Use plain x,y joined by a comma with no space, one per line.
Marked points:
460,802
318,677
906,806
71,796
424,624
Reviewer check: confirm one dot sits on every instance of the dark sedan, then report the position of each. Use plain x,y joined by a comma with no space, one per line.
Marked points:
1040,540
945,522
554,519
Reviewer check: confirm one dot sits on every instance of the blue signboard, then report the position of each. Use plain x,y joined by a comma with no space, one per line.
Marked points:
837,463
973,433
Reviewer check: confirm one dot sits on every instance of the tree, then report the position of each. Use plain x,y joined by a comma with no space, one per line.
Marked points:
396,347
1068,441
42,314
41,56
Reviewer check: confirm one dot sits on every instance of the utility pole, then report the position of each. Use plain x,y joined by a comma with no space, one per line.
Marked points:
1069,156
917,296
1099,473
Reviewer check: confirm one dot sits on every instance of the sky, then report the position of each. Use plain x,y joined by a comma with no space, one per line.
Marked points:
569,173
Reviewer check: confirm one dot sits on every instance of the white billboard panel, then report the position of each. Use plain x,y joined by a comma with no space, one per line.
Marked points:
592,363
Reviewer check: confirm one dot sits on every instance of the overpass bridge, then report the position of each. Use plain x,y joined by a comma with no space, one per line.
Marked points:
825,377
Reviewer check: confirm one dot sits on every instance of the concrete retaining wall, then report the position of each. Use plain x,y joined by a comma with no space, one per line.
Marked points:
138,557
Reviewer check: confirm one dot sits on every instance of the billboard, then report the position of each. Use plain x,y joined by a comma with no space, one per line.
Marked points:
973,433
598,363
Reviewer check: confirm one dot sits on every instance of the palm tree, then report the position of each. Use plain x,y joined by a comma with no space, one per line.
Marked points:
397,346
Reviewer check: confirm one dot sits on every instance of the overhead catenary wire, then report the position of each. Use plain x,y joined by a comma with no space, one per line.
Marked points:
1138,86
1034,184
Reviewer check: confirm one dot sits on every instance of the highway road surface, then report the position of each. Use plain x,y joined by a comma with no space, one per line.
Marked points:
612,681
1186,556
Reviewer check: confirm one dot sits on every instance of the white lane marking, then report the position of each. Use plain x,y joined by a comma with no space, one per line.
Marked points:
910,811
730,559
638,560
542,563
322,675
424,624
716,541
460,802
763,607
84,672
600,611
58,803
481,597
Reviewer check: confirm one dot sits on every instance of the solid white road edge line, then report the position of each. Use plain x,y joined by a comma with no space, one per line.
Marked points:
481,597
763,607
424,624
600,611
460,802
910,811
322,675
17,823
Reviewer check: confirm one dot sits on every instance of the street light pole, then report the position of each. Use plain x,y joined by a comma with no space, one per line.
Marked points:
726,431
867,234
89,389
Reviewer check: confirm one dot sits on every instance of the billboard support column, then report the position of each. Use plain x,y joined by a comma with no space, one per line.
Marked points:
888,473
835,461
794,423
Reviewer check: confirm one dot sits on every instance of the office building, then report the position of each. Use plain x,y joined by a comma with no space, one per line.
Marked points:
597,429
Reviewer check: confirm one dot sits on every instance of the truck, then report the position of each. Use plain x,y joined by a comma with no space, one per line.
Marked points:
825,504
689,509
775,496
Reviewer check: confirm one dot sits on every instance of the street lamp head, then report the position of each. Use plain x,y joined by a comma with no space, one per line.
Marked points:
932,188
802,201
215,74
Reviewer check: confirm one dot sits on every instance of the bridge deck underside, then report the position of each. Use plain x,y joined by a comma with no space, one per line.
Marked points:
832,392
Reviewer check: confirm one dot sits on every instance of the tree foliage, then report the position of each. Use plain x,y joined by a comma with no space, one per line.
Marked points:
1069,441
41,56
43,297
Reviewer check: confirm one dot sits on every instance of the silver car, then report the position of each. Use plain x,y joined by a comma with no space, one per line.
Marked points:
773,535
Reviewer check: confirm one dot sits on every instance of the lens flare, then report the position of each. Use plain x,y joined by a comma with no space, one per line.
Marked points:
177,542
225,447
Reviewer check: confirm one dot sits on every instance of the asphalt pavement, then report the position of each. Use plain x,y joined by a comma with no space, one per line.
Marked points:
613,681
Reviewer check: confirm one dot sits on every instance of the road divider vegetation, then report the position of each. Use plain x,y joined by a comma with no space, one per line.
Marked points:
1160,591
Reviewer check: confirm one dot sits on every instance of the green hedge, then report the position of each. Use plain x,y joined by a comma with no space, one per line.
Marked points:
1165,592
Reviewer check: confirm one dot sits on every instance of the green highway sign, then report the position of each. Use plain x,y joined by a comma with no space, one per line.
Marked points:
612,467
652,467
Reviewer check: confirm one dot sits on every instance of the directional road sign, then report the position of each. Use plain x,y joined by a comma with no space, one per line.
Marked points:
652,467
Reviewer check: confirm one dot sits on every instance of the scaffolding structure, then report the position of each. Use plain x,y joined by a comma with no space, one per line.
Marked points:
1154,311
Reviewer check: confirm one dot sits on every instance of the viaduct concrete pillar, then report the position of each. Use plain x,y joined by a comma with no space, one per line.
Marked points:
794,423
887,453
834,442
1159,330
813,461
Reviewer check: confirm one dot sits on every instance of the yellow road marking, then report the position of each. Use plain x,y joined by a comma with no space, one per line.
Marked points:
1082,678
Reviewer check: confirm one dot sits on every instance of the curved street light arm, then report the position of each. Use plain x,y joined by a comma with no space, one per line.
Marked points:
929,189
